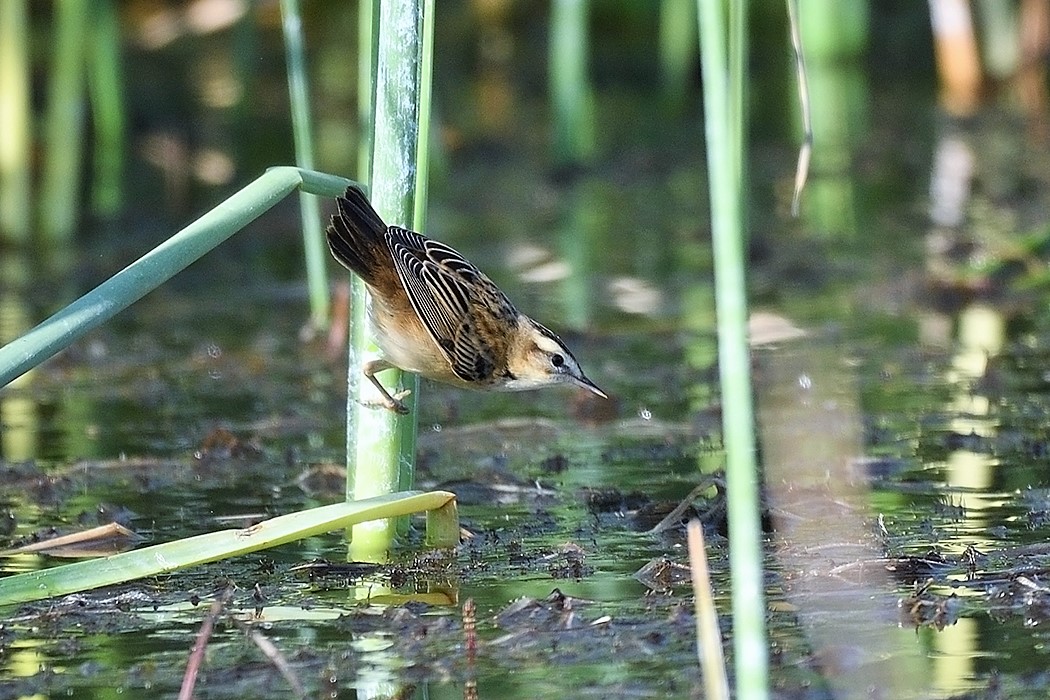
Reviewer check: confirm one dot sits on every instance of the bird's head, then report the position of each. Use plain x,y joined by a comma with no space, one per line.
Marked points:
539,358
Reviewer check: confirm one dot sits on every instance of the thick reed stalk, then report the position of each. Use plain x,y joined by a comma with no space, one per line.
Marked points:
381,444
409,429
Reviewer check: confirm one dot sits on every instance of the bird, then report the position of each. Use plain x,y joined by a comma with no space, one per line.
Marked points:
436,314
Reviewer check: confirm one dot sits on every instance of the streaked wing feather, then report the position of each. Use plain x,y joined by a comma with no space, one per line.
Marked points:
439,284
474,360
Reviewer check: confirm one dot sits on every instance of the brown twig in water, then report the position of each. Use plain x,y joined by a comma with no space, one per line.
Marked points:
470,632
271,652
193,665
674,519
708,637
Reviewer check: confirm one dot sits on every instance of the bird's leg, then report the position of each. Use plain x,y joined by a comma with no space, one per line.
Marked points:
389,402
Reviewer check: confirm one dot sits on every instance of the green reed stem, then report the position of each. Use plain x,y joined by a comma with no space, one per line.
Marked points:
64,123
677,48
724,69
570,90
426,74
367,29
15,116
302,133
106,84
377,437
159,265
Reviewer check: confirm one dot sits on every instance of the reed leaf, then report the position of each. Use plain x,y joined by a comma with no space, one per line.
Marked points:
159,265
171,556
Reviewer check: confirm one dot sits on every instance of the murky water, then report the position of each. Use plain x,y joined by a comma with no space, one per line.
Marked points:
904,439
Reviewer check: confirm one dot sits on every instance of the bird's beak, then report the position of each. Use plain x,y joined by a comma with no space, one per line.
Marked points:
589,385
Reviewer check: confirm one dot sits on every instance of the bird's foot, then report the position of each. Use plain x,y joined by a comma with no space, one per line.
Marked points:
391,403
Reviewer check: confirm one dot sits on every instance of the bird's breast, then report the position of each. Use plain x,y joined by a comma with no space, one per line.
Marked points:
405,343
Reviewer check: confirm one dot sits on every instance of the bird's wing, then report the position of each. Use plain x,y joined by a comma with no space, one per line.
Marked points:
444,289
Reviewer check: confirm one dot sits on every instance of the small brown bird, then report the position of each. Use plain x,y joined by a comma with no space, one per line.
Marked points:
436,314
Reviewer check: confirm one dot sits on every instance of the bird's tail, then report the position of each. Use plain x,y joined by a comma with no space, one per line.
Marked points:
356,233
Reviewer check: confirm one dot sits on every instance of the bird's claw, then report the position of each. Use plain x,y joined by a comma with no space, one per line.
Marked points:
396,405
392,402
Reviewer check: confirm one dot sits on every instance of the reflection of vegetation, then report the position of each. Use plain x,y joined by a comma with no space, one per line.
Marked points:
833,36
18,413
579,242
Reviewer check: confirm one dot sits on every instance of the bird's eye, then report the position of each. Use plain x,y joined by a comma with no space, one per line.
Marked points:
557,360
